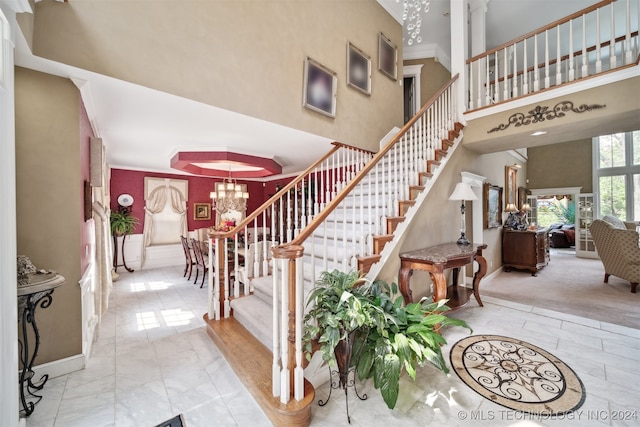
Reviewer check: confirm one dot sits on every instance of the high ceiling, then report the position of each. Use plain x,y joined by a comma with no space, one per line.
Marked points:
144,128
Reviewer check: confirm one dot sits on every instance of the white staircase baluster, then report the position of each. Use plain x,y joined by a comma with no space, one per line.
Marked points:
558,58
598,47
285,391
612,43
585,64
514,85
571,65
276,366
525,81
627,36
298,389
547,79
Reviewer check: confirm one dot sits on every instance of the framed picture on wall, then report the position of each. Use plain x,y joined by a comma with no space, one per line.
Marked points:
319,90
387,57
358,69
201,211
492,212
511,185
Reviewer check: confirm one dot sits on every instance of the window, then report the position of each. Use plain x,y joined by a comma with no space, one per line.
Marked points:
617,175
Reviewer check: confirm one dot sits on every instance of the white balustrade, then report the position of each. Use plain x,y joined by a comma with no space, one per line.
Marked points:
599,38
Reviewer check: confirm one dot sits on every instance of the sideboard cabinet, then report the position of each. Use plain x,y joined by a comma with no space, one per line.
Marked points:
525,250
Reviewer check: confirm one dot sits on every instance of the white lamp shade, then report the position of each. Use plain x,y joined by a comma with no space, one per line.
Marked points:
511,207
463,191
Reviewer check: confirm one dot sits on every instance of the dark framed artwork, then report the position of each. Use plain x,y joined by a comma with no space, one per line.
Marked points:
358,69
319,91
492,212
387,57
201,211
511,185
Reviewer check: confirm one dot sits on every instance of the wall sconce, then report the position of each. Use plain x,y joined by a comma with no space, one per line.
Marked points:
463,192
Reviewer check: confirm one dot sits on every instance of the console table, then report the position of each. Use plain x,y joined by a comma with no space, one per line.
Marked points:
435,260
31,296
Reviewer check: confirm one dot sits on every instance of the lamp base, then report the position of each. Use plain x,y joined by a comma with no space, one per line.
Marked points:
463,240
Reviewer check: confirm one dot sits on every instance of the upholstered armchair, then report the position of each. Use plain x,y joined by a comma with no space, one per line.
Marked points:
617,245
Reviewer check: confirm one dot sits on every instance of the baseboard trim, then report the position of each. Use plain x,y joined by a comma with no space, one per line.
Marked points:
61,367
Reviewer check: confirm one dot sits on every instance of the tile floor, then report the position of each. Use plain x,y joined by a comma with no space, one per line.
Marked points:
153,360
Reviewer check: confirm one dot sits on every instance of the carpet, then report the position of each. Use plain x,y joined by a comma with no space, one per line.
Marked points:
177,421
517,375
569,285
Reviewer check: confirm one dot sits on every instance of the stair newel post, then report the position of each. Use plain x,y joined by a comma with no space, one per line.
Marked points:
291,317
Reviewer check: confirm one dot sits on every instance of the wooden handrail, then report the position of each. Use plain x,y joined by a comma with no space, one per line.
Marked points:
565,57
247,221
319,219
542,29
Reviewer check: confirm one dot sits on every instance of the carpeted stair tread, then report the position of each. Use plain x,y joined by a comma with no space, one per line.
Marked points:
256,316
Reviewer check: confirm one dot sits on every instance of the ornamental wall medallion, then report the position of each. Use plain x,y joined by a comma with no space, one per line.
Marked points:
540,114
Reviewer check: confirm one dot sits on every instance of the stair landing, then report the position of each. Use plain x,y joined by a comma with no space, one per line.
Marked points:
235,343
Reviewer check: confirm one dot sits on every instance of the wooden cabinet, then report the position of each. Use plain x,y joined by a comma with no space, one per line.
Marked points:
525,250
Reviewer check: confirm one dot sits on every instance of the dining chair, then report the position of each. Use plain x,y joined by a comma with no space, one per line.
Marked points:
202,264
188,259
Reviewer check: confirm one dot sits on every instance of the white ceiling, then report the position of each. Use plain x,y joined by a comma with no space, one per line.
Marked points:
143,128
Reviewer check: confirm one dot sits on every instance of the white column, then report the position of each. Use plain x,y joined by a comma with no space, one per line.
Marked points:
478,18
9,400
459,50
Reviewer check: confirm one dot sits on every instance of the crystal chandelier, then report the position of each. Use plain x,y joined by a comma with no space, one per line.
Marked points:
412,17
229,196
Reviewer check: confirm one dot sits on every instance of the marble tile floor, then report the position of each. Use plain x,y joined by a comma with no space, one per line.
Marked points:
153,360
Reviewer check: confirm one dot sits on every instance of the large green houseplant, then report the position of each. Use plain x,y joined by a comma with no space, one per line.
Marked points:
122,222
386,336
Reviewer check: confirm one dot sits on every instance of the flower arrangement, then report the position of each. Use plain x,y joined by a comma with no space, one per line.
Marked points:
225,225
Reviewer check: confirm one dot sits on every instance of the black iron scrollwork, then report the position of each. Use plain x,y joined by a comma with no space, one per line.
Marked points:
542,113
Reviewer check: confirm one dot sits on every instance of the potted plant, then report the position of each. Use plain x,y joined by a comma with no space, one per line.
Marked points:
361,323
122,222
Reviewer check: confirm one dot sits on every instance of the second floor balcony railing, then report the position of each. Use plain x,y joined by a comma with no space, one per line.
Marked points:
595,40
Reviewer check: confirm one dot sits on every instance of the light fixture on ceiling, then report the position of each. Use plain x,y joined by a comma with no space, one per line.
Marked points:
229,196
463,192
412,17
538,133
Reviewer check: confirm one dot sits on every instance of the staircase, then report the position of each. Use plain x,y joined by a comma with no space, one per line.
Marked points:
339,214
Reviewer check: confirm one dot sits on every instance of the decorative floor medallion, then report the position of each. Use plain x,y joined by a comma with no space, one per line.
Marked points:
517,375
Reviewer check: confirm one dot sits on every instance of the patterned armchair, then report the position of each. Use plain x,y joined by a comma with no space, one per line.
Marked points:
617,245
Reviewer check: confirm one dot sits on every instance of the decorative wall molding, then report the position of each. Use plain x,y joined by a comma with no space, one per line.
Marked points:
540,114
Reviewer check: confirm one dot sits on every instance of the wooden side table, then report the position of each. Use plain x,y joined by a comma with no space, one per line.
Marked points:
435,260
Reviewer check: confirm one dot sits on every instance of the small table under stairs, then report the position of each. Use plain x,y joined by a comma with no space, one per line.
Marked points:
435,260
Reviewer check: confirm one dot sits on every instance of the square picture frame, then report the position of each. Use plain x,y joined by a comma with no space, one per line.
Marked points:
387,57
492,212
201,211
319,88
358,69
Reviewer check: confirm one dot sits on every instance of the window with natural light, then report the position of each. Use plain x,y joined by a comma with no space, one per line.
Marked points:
616,160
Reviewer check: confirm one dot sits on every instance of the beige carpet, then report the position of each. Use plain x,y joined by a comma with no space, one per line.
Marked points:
571,285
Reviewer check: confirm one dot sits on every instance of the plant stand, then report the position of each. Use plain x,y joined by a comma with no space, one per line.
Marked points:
115,254
345,376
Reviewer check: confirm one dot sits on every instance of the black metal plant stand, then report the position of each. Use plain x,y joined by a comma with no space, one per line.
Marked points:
345,376
31,297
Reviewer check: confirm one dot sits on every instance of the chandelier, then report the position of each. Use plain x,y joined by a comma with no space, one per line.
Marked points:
229,196
412,17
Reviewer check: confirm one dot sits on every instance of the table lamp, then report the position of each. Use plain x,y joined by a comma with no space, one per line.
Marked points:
463,192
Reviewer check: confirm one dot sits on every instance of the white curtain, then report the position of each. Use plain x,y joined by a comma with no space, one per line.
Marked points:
156,202
104,259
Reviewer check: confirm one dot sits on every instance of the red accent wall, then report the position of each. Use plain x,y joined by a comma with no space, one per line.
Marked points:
132,182
85,162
